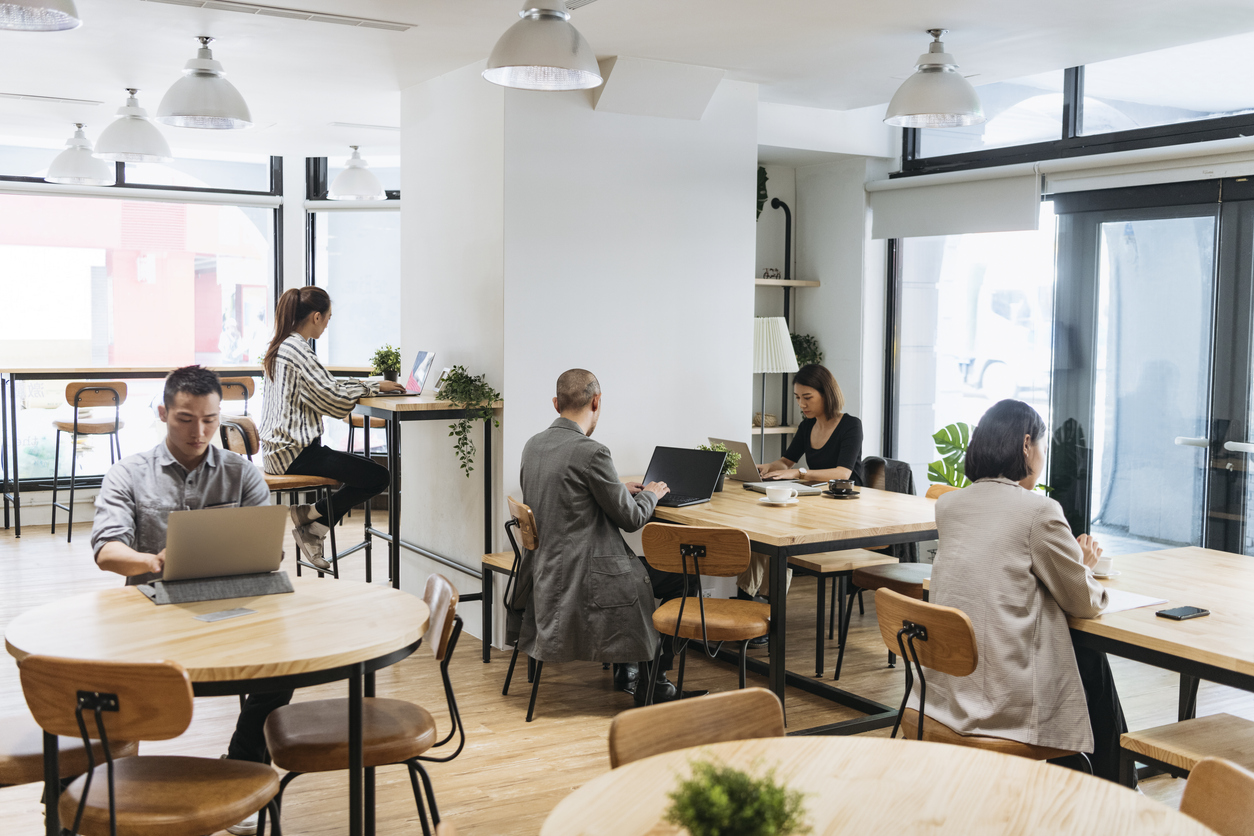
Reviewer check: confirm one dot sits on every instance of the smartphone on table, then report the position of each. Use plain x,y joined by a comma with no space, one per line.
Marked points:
1182,613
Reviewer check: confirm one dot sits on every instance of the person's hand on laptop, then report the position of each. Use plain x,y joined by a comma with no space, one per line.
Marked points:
634,488
658,488
386,386
776,475
158,562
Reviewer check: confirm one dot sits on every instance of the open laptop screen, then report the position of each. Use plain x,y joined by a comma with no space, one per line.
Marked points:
686,472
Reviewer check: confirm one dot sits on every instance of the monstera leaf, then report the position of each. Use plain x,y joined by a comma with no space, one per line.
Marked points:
951,443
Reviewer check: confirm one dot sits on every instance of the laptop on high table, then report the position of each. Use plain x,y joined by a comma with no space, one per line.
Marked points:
747,472
417,376
691,475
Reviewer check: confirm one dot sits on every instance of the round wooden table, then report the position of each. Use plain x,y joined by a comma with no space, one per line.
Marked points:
875,785
322,632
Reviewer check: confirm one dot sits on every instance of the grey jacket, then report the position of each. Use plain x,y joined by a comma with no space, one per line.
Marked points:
586,595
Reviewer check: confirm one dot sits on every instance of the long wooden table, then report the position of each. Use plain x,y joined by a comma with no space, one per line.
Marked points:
862,786
815,524
323,632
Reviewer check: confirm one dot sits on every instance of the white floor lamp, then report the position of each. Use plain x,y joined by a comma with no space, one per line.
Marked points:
772,354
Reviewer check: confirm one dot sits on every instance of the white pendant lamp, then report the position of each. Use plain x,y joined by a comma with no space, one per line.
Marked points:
39,15
356,182
203,98
133,138
936,96
543,52
77,167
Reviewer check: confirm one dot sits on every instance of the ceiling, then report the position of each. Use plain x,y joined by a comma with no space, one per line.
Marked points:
298,76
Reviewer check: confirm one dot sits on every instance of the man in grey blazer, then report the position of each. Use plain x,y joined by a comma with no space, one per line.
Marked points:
586,595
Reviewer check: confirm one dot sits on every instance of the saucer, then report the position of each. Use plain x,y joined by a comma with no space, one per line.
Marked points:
831,495
792,501
1113,574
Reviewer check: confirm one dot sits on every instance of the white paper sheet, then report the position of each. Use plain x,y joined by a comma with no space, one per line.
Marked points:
1120,600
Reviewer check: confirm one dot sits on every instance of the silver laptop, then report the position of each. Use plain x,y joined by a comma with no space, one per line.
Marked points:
747,472
216,542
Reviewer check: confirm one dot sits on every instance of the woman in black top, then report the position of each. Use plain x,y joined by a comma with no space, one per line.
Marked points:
830,439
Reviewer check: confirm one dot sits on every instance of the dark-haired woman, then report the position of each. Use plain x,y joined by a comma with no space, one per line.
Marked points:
1007,559
829,438
299,391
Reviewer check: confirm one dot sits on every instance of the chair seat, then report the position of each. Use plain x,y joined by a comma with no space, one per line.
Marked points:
171,796
291,482
1185,743
501,561
935,731
90,427
903,578
726,619
22,752
359,421
830,563
313,736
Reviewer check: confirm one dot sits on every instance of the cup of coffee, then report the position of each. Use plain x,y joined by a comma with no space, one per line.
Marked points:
780,493
1105,565
840,487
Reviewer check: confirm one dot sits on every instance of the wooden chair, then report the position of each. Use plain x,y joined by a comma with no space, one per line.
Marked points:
524,521
839,566
1178,747
139,796
22,752
1220,795
313,736
239,435
695,551
940,639
82,395
734,715
238,389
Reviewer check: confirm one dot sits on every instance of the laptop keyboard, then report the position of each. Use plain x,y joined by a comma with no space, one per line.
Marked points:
679,499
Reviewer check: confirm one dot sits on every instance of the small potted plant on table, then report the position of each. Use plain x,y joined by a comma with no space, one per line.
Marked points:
387,362
719,800
730,465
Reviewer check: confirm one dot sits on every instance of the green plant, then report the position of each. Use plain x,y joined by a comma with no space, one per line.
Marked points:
762,178
387,359
951,444
732,464
719,800
806,347
475,396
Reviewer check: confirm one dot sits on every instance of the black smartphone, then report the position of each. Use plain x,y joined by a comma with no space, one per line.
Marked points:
1182,613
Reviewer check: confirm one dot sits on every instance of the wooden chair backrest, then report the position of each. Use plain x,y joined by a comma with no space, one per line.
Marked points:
1220,795
727,550
936,490
237,388
240,435
874,468
154,699
950,647
731,715
526,524
441,598
95,393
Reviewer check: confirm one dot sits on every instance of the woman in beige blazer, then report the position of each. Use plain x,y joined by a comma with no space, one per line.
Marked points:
1007,559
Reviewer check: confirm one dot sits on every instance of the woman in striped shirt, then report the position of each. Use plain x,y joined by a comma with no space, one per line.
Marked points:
299,391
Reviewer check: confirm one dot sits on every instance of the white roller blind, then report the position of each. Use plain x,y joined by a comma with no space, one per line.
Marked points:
993,200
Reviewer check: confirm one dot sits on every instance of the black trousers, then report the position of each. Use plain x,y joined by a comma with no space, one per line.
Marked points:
1105,711
361,478
668,585
248,743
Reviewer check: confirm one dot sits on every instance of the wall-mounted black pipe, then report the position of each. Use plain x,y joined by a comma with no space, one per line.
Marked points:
776,203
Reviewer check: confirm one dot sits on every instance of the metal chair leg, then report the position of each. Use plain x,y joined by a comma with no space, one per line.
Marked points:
683,657
535,688
744,656
820,610
654,668
422,813
531,669
861,607
69,523
56,473
844,627
509,674
831,618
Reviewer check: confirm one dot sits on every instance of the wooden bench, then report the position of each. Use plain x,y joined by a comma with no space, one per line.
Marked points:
840,565
1176,748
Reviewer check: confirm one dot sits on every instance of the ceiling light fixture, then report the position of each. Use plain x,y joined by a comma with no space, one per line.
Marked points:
77,167
936,96
356,182
543,52
39,15
203,98
133,138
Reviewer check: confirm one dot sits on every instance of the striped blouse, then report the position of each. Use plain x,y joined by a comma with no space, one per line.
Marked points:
296,398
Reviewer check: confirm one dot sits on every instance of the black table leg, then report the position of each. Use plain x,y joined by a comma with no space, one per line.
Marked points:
487,486
1188,696
369,794
355,771
818,627
779,603
365,425
487,603
52,786
394,502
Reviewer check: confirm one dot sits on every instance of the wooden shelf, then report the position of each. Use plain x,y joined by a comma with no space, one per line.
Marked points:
775,430
783,283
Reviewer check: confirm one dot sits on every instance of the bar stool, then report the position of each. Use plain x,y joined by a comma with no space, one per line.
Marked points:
356,422
79,395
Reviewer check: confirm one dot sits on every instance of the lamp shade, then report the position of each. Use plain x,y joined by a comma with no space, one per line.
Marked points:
772,346
936,96
76,165
133,138
543,52
356,182
39,15
203,98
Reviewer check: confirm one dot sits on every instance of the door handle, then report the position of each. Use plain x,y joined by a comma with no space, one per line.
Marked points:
1238,447
1186,441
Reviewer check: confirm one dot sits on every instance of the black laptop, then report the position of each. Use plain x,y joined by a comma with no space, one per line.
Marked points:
690,474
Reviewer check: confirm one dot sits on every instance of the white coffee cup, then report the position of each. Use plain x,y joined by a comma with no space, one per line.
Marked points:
780,493
1105,565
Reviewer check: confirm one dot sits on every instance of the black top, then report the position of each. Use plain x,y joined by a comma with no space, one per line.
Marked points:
843,449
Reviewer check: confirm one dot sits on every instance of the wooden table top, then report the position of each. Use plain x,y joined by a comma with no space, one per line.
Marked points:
862,786
122,371
814,519
426,402
324,624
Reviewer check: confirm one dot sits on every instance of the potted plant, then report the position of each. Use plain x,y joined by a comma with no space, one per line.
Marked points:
387,362
721,801
806,347
951,469
475,396
730,465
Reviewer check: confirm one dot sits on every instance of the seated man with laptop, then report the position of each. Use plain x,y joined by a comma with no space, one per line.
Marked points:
184,472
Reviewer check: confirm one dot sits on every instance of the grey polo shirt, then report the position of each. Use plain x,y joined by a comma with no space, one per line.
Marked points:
139,492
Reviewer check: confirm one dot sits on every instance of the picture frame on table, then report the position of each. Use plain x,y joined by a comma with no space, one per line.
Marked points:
439,384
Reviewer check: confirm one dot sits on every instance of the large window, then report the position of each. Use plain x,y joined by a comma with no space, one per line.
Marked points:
1017,112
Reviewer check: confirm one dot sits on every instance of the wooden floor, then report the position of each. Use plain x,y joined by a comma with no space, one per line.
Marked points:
512,772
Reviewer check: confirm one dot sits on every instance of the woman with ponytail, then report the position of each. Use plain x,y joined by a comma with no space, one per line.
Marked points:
299,391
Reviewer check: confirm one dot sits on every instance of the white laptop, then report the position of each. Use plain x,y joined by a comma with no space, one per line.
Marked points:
217,542
747,472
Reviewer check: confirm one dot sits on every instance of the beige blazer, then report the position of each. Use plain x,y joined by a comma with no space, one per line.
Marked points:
1008,560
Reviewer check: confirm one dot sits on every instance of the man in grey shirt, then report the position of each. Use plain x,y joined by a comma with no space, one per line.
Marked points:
184,472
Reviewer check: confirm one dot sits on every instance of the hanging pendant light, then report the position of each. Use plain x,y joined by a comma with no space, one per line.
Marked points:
39,15
133,138
77,167
936,96
203,98
543,52
356,182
